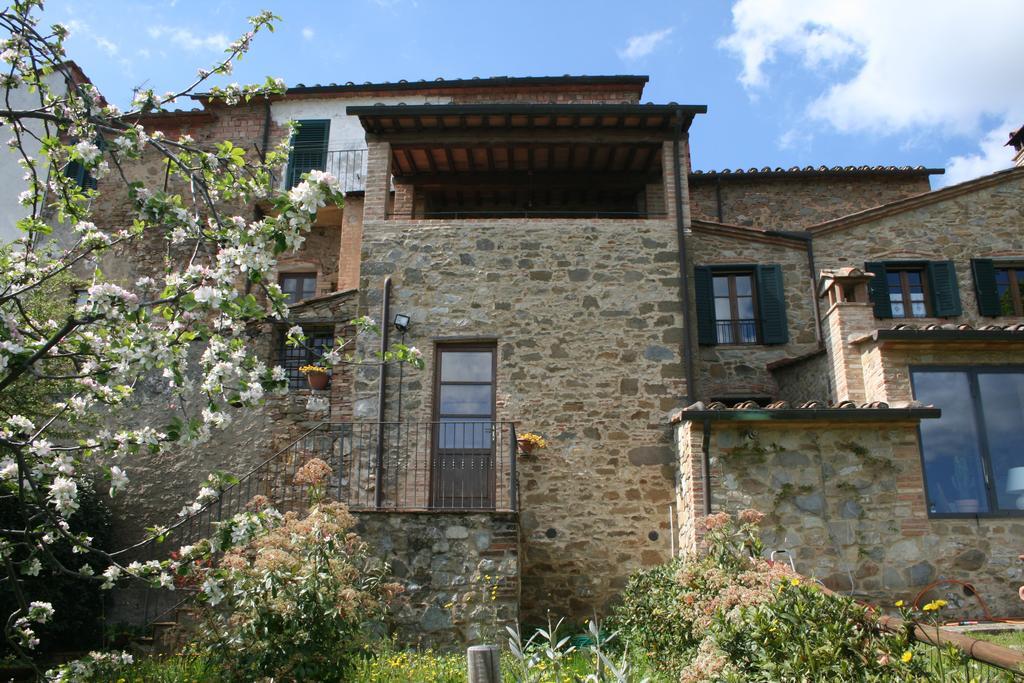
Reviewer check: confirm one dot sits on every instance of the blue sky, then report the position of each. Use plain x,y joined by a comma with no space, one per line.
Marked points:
787,82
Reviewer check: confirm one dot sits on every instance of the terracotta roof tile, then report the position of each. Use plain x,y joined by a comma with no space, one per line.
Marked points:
768,171
805,410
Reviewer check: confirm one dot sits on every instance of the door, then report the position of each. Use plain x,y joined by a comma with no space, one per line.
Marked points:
463,462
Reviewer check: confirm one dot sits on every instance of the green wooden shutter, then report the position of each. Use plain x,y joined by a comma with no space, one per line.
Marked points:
771,304
984,270
945,290
704,294
878,289
308,149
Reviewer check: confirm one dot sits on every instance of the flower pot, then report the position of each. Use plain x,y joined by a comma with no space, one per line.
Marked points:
317,380
969,505
525,447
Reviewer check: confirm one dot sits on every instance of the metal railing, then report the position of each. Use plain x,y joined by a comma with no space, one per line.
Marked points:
736,331
347,165
444,466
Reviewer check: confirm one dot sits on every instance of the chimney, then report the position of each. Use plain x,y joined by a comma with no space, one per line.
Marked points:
849,314
1017,142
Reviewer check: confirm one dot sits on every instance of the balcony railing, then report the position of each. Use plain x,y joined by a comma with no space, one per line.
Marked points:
347,165
736,331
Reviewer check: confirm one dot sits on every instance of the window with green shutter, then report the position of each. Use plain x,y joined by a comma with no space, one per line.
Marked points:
308,149
914,289
740,305
999,286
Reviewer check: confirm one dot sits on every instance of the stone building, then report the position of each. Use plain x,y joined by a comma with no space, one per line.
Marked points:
840,347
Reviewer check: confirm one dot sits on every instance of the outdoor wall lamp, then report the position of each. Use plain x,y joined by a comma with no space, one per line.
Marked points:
402,323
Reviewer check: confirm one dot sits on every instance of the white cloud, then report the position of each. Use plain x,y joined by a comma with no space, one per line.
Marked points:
643,45
307,33
79,28
994,155
187,40
947,68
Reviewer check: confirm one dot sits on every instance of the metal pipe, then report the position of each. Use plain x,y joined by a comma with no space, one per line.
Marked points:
718,199
684,282
705,447
385,314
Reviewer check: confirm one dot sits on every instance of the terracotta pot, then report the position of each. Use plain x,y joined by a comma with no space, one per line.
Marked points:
317,380
525,447
969,505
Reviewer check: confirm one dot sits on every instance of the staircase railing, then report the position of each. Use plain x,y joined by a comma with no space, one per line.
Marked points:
453,465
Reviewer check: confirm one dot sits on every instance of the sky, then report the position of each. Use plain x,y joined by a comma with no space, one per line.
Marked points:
787,82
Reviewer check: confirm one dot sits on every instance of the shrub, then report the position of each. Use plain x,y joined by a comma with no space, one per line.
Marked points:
290,604
727,614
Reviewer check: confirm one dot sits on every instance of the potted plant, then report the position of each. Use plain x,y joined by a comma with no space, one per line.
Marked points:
316,376
529,442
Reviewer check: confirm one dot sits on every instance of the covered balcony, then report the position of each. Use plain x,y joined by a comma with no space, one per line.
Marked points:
525,160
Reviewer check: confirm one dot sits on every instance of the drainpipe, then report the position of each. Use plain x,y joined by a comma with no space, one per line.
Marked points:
684,282
266,128
718,199
705,447
385,315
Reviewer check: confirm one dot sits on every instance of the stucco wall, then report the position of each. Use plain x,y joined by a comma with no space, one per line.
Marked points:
847,501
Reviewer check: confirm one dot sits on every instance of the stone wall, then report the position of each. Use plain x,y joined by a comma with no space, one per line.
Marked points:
985,223
846,499
793,203
586,320
740,370
460,572
805,378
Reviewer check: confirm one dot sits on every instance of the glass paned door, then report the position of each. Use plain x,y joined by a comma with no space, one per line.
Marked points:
463,468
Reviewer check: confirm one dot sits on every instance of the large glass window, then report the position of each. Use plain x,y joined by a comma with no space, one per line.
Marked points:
974,454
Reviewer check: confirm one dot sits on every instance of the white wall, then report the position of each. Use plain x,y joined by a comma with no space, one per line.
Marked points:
12,181
346,131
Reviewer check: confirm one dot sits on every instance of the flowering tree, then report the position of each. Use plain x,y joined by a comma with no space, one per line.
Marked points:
90,356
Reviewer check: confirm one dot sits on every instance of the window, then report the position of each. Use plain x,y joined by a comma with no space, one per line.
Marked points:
1000,287
973,455
740,305
298,286
914,289
734,308
308,149
81,175
907,293
318,342
1010,286
463,469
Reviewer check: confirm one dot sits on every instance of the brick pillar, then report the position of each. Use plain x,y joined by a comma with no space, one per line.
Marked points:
350,252
403,203
689,437
378,181
843,320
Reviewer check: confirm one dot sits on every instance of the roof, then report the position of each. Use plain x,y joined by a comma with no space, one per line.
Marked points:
810,410
492,82
917,201
796,240
946,332
812,171
404,118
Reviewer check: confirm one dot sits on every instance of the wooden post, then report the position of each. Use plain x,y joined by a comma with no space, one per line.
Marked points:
484,663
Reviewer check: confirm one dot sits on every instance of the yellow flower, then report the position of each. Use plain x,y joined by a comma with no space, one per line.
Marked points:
794,582
907,656
899,603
